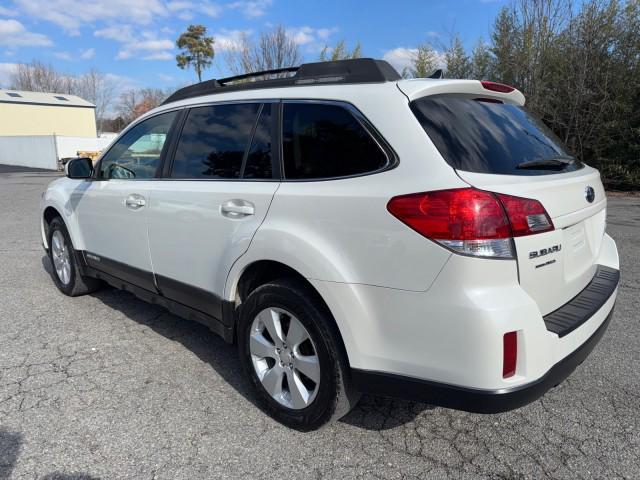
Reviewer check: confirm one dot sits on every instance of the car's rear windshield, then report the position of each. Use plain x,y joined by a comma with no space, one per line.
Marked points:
483,135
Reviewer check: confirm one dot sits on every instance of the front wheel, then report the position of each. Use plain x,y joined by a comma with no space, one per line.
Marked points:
290,349
66,274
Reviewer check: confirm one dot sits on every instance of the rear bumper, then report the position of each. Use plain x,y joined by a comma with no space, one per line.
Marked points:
475,400
582,307
426,345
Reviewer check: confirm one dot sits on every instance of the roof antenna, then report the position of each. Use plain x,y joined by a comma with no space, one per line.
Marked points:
437,74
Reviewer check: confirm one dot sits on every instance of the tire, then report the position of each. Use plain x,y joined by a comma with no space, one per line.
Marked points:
328,399
68,278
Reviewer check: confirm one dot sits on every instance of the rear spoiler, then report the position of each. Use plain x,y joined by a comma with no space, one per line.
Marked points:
421,87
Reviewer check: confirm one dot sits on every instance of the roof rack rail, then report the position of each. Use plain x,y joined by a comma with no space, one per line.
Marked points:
264,73
360,70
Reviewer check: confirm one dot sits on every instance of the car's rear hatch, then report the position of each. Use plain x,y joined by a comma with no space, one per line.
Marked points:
494,144
555,266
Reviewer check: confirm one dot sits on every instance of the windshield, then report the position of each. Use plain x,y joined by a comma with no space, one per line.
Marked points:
487,136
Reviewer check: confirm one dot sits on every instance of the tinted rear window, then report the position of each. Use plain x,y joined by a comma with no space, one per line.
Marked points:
326,141
214,140
486,137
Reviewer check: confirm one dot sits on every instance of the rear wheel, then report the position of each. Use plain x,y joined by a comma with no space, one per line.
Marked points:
66,274
290,349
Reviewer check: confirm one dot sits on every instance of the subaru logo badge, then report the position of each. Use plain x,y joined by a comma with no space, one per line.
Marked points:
589,194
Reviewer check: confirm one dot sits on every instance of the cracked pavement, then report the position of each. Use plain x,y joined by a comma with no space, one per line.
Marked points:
107,386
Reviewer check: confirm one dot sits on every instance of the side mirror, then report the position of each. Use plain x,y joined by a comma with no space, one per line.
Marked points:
79,168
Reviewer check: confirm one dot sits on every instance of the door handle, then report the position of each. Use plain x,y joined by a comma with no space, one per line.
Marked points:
237,208
135,201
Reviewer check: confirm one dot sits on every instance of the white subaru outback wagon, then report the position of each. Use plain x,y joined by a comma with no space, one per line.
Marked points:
351,232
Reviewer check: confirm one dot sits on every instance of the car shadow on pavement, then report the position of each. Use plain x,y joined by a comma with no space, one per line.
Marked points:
372,412
10,443
10,446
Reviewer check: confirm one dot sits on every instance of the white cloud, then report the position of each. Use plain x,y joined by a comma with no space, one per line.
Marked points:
87,54
6,70
314,39
186,10
325,33
178,5
119,33
159,56
229,39
149,49
72,14
302,35
63,56
401,58
251,9
155,45
146,46
14,34
210,9
166,78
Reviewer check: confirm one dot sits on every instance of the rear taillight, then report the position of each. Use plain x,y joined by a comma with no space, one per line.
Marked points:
496,87
470,221
509,354
526,216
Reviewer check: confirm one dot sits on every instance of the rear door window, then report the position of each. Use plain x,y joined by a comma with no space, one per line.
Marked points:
214,140
487,136
326,141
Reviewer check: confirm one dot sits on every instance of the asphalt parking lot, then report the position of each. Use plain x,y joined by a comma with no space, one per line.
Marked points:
106,386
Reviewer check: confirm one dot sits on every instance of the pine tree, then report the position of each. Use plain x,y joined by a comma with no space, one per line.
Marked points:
197,49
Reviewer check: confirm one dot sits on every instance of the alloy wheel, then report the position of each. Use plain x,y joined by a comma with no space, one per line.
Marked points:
61,258
285,358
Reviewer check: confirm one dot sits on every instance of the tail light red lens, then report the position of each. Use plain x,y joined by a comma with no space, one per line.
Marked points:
497,87
460,214
526,216
470,221
510,354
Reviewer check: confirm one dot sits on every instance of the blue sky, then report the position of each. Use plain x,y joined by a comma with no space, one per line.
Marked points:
133,40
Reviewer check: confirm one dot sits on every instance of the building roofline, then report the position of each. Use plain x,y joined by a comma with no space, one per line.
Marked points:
43,98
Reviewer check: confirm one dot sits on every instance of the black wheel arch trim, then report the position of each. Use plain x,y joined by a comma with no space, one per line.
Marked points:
475,400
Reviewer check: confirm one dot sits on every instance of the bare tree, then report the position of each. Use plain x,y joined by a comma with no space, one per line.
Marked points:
98,89
134,103
272,50
127,104
38,77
